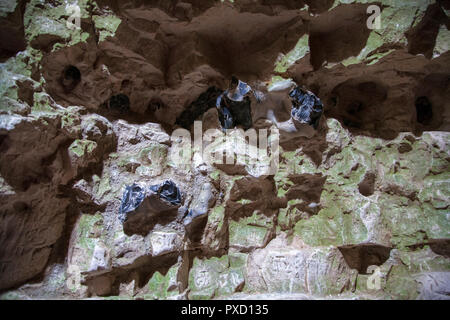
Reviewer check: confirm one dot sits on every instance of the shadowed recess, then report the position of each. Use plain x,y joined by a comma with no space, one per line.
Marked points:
363,255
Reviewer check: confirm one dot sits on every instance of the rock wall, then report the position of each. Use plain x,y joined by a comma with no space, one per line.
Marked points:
359,208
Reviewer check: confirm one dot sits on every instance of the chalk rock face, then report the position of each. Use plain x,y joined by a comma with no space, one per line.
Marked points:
217,276
286,269
340,190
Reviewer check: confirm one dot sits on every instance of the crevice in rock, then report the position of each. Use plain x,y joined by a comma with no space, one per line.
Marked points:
12,35
195,230
424,110
61,246
422,38
143,207
438,246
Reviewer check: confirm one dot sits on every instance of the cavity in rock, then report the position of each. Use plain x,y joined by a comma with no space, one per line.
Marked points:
71,78
233,105
119,103
367,186
203,103
424,110
361,256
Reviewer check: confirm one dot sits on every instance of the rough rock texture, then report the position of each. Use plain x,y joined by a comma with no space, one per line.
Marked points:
359,205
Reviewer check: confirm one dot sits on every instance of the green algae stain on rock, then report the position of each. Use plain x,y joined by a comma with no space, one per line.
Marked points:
43,104
397,17
410,223
245,236
149,162
107,25
216,227
162,287
339,229
88,232
81,148
217,276
289,216
103,188
300,50
436,190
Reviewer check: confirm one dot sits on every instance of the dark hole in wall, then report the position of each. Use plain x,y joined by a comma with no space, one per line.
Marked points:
4,146
359,104
424,110
431,98
20,206
354,107
119,103
334,101
361,256
438,246
71,78
367,185
126,84
155,104
319,6
441,247
202,104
